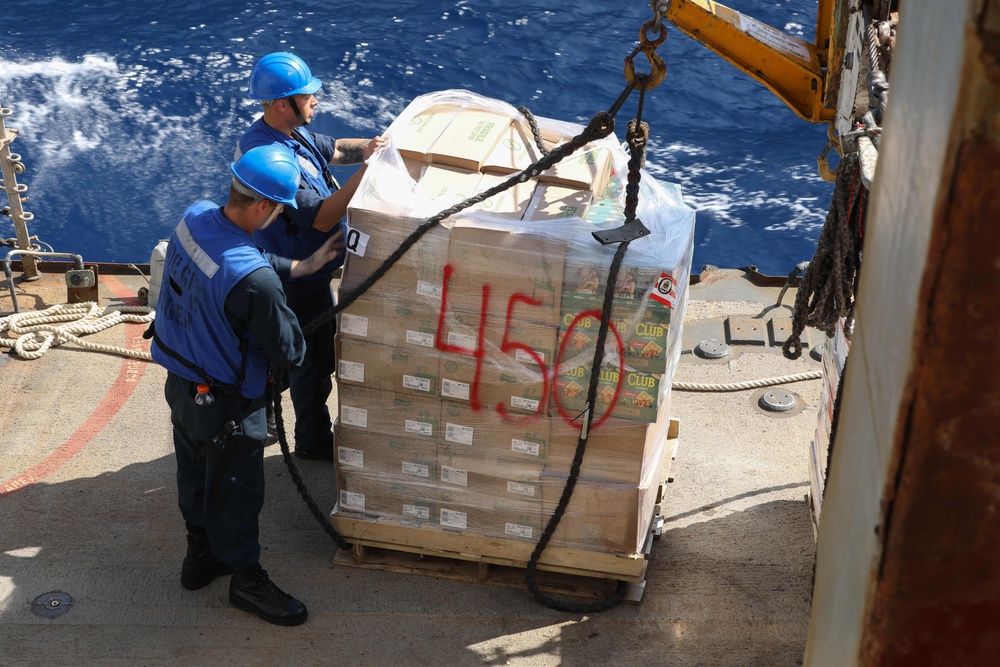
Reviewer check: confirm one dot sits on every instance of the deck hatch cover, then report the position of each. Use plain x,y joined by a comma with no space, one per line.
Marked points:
746,331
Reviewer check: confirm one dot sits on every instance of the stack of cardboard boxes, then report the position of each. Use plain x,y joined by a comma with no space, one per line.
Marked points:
462,372
835,351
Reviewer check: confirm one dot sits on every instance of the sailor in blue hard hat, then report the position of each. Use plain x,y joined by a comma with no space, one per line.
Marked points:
221,322
286,88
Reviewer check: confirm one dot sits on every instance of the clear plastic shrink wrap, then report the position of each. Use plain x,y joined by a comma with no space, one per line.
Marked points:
463,371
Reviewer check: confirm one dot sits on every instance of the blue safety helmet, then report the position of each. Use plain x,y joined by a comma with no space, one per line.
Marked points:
279,75
267,172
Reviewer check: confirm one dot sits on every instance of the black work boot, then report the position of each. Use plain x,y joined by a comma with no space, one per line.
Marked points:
252,590
201,566
272,427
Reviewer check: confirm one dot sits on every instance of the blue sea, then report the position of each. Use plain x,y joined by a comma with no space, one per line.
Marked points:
130,111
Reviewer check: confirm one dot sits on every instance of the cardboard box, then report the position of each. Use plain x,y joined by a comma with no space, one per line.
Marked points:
397,456
515,152
649,289
557,202
414,141
469,139
638,395
498,380
510,263
388,412
525,439
416,278
446,185
588,168
515,521
408,370
461,329
400,501
510,203
644,344
601,517
492,478
386,320
616,450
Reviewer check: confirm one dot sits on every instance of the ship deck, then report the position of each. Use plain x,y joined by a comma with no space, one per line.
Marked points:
88,518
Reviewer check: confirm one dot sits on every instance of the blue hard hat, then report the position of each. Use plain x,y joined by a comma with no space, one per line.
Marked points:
280,74
269,171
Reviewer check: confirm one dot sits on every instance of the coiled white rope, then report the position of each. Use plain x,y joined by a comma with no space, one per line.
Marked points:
33,333
741,386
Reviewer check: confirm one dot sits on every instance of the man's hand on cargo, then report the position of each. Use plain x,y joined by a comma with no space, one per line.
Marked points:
373,146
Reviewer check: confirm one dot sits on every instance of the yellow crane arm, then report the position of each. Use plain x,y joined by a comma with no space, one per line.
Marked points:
791,68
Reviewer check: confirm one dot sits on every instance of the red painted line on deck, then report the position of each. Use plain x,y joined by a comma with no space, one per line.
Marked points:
121,390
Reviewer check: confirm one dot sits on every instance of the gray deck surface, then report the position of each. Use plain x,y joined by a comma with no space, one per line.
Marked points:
87,438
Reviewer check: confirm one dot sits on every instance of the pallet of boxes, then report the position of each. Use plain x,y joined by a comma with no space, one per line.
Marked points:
462,372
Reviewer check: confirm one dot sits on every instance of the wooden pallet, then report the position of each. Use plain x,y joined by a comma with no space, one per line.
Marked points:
484,560
391,547
481,572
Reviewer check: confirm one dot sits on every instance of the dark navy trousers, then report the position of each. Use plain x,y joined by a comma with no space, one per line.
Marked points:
220,486
311,384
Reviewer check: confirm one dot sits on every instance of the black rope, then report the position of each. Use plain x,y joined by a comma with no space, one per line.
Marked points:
636,137
828,287
551,601
280,381
535,132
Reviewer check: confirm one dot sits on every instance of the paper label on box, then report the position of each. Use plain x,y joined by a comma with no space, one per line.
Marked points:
464,341
526,358
419,338
458,434
416,384
357,241
453,519
417,512
525,447
454,476
351,457
452,389
524,403
425,288
517,530
354,416
354,325
665,290
419,428
352,501
351,371
416,469
521,489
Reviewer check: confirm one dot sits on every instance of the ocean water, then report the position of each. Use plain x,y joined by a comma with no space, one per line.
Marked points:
129,111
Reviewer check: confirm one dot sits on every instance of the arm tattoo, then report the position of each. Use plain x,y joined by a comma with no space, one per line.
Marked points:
351,151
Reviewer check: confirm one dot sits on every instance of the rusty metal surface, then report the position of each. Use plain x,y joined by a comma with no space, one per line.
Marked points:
937,596
88,290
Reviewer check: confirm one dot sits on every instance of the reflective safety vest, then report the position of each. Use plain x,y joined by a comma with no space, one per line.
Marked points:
207,256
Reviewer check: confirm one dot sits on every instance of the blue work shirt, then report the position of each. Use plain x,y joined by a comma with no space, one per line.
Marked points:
292,235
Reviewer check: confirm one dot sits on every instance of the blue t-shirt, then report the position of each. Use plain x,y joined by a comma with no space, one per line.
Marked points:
292,235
